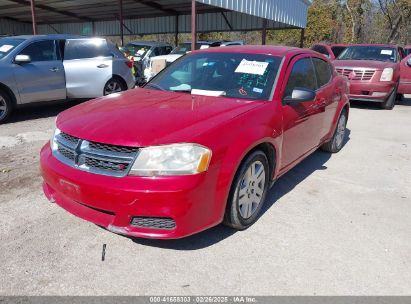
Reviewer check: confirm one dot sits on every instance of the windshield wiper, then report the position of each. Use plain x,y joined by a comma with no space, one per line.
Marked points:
154,86
181,91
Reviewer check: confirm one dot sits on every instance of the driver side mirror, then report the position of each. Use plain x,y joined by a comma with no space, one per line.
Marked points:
299,95
22,59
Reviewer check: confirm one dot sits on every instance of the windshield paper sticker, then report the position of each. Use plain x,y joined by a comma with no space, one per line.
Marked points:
386,52
252,67
5,48
258,90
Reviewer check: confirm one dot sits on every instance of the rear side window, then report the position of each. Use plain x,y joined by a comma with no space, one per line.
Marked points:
41,51
337,50
86,48
302,76
320,49
323,71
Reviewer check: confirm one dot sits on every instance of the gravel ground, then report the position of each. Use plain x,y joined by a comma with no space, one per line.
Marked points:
334,225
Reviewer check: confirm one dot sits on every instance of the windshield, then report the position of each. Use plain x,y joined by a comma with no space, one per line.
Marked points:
337,50
7,45
407,51
378,53
235,75
137,50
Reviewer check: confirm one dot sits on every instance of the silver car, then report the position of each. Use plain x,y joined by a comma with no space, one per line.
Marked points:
59,67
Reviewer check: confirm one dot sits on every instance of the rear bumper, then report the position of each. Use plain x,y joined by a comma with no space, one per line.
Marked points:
113,202
371,91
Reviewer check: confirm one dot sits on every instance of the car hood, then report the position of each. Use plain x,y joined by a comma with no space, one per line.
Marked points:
372,64
168,58
142,117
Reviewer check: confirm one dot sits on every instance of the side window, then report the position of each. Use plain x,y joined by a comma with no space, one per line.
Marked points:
156,52
321,49
86,48
41,51
401,53
302,76
323,71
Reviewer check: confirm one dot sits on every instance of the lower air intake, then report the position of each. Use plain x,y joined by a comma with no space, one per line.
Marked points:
153,222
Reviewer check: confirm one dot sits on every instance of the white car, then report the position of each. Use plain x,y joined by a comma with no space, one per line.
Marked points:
158,63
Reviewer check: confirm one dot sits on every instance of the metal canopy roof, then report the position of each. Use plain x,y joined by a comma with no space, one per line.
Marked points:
150,16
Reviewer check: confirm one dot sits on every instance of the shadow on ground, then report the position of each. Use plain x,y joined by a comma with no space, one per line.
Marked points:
369,105
285,184
41,110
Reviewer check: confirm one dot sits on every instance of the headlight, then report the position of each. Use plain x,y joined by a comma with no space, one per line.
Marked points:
176,159
53,144
387,74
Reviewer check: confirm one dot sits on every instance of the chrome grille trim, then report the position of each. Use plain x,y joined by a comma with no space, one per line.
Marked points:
361,73
93,157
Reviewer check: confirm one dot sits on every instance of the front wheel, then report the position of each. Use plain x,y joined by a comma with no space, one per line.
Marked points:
337,141
113,86
248,191
6,106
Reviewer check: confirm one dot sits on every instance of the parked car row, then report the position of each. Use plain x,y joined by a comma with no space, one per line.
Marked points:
58,67
377,72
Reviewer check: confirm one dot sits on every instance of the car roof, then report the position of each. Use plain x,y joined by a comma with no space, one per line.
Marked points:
51,36
374,44
149,43
259,49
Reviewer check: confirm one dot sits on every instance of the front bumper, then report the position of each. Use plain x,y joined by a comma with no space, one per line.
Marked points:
113,202
371,91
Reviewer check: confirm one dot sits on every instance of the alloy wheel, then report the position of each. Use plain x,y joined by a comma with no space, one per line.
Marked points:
340,130
112,87
251,189
3,107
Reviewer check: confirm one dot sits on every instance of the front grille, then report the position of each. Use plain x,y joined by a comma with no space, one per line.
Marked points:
153,222
112,148
360,73
93,157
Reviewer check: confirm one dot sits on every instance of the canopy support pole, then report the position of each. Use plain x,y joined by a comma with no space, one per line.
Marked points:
193,25
120,14
33,16
302,38
264,32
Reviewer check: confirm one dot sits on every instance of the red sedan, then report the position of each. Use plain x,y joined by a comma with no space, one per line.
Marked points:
200,144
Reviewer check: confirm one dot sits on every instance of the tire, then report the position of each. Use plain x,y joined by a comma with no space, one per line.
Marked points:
337,141
389,103
247,193
114,85
6,106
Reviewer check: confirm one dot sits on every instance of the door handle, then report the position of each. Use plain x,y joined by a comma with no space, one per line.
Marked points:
54,69
102,66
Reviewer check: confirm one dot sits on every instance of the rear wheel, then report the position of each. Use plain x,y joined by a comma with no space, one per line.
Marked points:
6,106
114,85
248,191
389,103
337,141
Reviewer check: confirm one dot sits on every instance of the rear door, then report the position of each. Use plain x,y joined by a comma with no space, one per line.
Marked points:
303,122
328,94
88,66
42,79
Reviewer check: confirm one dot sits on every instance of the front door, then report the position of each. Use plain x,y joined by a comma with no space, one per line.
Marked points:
88,65
405,76
302,122
41,79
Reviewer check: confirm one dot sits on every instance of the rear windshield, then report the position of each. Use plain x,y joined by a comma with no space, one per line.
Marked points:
236,75
7,45
376,53
183,48
137,50
337,50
